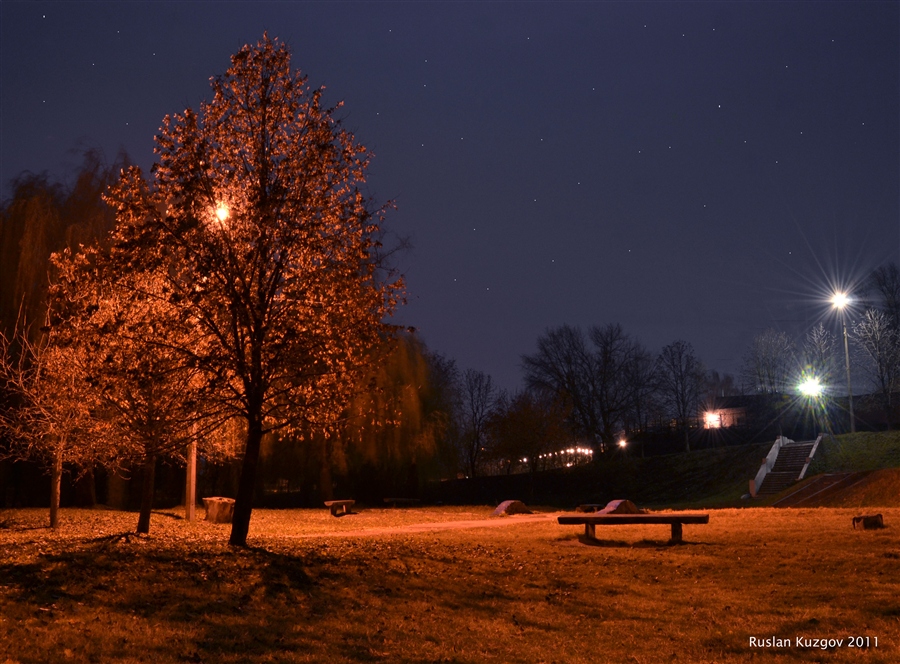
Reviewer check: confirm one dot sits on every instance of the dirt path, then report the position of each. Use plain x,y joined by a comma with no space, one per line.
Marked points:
491,522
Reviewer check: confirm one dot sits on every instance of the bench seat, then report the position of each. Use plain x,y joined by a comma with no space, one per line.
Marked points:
590,521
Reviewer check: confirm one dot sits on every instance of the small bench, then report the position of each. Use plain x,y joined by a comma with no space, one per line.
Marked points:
342,505
589,521
394,502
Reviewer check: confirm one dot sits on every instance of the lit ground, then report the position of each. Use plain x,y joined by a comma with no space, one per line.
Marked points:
366,588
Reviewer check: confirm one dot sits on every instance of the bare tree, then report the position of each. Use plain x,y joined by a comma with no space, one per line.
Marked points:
681,380
267,250
596,381
444,400
768,362
479,397
884,284
819,349
613,377
878,345
641,379
564,366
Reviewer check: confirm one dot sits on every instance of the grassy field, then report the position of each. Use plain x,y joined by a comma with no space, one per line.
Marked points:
313,588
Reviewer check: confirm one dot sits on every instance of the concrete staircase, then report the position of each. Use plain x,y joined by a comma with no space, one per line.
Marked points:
788,464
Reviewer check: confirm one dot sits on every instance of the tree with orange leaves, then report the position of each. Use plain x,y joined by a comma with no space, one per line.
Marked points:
263,246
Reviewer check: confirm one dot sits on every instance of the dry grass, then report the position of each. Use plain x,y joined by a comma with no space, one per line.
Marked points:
528,592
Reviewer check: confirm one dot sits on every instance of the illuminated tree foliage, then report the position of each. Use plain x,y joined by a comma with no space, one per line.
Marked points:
52,415
262,245
121,335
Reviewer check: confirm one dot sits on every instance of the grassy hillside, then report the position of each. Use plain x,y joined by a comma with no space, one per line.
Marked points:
710,477
856,452
715,477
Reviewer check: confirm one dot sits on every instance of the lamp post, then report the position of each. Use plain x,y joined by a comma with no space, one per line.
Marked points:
840,301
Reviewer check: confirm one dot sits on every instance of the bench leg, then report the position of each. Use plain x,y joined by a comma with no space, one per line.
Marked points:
676,533
589,531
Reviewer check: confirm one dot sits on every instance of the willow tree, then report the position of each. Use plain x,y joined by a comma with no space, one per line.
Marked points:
390,425
265,247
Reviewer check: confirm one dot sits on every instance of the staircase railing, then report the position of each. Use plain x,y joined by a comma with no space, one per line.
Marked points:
809,459
767,463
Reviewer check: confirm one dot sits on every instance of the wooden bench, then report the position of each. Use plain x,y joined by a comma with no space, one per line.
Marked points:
589,521
394,502
342,505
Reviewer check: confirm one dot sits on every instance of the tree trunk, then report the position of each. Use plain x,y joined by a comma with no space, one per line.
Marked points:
149,474
190,483
243,504
55,486
326,481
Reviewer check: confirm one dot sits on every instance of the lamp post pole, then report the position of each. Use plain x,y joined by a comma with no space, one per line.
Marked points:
847,364
840,301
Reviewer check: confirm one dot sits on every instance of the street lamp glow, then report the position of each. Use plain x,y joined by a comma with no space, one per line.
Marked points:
840,300
623,443
222,212
811,387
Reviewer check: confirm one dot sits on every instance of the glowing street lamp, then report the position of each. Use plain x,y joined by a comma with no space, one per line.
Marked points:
840,302
222,212
811,387
623,443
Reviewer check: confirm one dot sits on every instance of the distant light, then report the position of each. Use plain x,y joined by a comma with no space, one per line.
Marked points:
811,387
222,212
623,443
840,300
713,420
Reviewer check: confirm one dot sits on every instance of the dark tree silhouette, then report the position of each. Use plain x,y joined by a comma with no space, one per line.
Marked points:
681,378
877,343
768,362
596,382
884,284
479,396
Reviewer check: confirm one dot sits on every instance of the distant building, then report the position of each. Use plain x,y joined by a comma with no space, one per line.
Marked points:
726,412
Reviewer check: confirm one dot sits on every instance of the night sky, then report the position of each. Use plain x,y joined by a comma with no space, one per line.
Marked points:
696,171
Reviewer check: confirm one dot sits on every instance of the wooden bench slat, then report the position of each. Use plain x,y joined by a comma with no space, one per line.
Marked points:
610,519
590,521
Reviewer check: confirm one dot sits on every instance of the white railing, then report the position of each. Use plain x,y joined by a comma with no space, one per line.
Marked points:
767,463
809,459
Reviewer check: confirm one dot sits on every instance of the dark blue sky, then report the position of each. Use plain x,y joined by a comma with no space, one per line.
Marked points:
695,171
